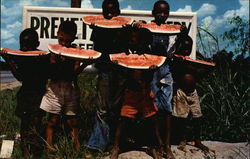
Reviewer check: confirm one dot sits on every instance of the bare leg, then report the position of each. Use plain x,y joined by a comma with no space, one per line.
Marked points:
35,130
73,124
51,126
24,136
168,130
196,132
118,134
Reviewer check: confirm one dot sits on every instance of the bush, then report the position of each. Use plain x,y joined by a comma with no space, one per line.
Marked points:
225,100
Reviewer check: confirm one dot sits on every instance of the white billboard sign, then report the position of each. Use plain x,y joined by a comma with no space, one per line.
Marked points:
46,20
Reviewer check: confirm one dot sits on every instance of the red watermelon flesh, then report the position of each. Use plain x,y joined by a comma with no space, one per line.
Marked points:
25,53
163,28
74,52
201,62
99,20
136,61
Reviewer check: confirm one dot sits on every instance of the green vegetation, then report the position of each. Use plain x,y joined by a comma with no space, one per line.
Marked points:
224,93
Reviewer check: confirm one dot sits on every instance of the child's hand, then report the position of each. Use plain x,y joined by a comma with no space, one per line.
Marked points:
139,23
152,67
2,51
125,26
92,25
115,61
184,30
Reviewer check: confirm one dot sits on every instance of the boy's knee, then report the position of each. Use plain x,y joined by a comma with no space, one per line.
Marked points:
72,122
53,121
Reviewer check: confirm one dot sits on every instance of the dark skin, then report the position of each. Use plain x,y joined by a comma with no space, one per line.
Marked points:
138,82
30,123
187,83
66,40
161,13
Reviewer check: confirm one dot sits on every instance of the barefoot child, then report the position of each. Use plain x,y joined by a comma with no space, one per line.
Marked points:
186,104
162,84
63,94
137,104
33,73
105,40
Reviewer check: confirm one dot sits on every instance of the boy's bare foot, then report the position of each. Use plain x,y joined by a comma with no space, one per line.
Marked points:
168,153
182,146
114,154
153,153
199,145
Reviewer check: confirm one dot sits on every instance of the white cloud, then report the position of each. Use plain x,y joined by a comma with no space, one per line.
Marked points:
10,11
86,4
60,3
11,41
5,34
11,30
14,26
243,11
187,8
129,7
206,9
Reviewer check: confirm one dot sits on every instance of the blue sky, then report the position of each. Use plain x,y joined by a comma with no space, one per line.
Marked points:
212,14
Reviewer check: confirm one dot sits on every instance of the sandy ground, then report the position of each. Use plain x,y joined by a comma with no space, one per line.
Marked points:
9,85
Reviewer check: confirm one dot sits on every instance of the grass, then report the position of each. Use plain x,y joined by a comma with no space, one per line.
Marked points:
224,96
10,124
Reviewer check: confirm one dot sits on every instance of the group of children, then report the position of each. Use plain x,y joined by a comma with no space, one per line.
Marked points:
123,95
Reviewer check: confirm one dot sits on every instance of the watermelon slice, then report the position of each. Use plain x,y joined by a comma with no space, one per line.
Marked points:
136,61
199,62
100,21
74,52
25,53
163,28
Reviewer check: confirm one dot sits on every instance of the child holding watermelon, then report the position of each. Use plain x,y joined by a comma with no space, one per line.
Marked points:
163,44
186,104
105,40
63,94
32,72
137,107
162,83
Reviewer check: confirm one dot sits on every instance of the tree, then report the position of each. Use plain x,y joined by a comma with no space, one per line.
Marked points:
238,36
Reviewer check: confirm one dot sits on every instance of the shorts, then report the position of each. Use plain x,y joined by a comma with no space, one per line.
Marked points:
184,103
61,97
28,102
162,87
138,105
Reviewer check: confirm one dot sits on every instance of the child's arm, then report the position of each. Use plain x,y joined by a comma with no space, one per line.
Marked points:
13,67
81,65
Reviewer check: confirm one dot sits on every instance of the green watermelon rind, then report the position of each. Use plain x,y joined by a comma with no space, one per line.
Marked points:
25,53
137,67
73,55
130,21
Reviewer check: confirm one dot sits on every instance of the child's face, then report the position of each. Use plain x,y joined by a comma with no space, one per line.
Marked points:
27,43
161,13
65,39
134,40
110,11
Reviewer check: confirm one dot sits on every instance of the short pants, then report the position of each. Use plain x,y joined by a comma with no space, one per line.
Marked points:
61,97
184,103
138,105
